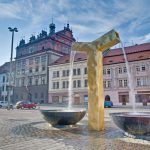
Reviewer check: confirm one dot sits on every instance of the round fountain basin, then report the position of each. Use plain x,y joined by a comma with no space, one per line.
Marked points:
137,124
63,116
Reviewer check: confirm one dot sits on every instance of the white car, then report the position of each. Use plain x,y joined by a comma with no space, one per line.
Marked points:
4,104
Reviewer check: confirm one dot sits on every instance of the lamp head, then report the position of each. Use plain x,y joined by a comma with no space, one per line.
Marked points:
10,29
15,29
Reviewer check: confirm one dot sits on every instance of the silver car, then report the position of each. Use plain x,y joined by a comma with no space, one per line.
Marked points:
4,104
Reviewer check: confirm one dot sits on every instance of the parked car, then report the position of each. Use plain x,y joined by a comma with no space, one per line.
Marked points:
25,104
108,104
4,104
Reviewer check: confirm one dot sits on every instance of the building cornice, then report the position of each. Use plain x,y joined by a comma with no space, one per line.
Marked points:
45,51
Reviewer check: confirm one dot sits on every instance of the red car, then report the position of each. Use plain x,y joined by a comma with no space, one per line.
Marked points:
25,104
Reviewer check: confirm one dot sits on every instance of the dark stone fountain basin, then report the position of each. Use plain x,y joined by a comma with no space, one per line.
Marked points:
63,116
137,124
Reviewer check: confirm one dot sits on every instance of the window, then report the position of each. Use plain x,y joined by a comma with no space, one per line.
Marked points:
104,84
23,71
17,82
120,83
104,71
23,63
31,49
107,84
3,88
108,71
43,68
125,83
74,83
43,58
141,81
30,81
18,65
18,72
30,70
124,69
36,69
85,70
78,71
140,68
144,81
85,83
138,82
55,74
36,81
137,68
7,88
3,79
43,80
37,60
74,72
22,81
143,68
65,84
78,83
63,73
30,61
120,70
67,72
55,85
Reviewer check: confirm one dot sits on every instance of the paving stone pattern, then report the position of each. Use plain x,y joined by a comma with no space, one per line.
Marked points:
27,130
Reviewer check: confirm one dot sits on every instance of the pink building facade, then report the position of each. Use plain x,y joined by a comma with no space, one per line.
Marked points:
116,83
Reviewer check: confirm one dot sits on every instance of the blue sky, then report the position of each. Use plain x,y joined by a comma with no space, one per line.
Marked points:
88,19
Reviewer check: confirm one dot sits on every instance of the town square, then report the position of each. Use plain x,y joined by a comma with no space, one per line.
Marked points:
74,75
26,129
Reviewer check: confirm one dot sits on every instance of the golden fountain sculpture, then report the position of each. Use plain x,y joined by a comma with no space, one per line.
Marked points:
95,76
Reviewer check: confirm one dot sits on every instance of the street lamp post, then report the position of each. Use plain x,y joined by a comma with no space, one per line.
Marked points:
10,68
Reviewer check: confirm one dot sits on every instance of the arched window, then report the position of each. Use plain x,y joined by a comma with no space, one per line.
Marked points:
107,98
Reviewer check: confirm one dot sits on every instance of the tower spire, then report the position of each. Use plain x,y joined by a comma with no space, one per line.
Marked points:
52,27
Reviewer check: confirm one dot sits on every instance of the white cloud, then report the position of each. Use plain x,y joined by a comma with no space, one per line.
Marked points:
10,10
147,37
140,39
87,17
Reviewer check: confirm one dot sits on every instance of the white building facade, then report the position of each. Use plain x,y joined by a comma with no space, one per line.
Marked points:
59,77
4,86
4,81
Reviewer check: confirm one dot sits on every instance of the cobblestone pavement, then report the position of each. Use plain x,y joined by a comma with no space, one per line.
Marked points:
27,130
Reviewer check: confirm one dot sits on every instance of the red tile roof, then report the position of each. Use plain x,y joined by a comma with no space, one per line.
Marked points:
134,53
130,49
66,58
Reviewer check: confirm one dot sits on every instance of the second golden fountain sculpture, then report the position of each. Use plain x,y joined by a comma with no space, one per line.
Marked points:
94,51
